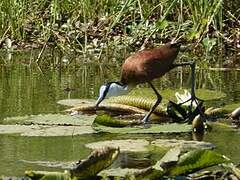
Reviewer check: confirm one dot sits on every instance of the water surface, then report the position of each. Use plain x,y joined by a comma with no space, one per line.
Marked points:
31,89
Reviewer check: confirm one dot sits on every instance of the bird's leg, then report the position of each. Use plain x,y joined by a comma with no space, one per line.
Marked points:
159,99
193,98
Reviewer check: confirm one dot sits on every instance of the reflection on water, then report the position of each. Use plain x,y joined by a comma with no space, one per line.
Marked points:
26,90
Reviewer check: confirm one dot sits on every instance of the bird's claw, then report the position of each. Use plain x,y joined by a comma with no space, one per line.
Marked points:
145,120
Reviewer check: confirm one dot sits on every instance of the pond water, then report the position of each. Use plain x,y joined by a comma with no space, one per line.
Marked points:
31,89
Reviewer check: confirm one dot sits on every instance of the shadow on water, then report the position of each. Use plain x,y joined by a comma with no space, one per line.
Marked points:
31,89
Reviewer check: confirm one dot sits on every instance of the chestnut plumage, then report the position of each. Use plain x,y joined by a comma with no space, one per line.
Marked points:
146,65
142,67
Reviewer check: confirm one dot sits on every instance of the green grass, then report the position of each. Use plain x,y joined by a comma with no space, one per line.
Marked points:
80,25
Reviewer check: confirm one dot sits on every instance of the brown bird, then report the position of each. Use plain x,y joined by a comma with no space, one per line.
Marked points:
142,67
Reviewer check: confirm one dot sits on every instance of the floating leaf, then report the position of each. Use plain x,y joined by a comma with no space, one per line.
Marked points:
107,120
146,129
139,102
133,145
51,119
195,160
39,130
108,106
75,102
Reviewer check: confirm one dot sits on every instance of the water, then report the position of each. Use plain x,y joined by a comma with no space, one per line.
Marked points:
27,90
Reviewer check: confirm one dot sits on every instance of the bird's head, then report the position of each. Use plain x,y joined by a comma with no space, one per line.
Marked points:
111,89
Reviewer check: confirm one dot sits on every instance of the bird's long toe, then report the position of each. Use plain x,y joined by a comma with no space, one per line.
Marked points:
145,120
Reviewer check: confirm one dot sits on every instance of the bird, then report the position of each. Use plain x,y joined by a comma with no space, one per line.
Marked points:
142,67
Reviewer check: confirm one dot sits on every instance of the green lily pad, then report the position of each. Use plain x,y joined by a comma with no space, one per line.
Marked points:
51,119
193,161
109,121
16,129
133,145
39,130
177,162
60,131
141,129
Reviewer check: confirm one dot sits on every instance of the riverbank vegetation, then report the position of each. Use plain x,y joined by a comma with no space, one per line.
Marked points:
85,25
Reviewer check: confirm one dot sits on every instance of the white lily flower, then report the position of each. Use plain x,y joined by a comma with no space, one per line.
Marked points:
182,98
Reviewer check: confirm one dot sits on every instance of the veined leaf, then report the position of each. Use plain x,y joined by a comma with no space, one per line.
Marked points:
195,160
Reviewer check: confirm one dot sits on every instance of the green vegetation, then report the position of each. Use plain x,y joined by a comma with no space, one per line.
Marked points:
84,25
179,163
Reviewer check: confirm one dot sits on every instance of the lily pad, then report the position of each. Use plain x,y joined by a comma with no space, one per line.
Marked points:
75,102
182,143
60,131
153,129
51,119
133,145
195,160
176,162
16,129
109,121
117,108
39,130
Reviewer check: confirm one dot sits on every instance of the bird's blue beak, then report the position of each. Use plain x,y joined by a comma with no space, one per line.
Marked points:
99,100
